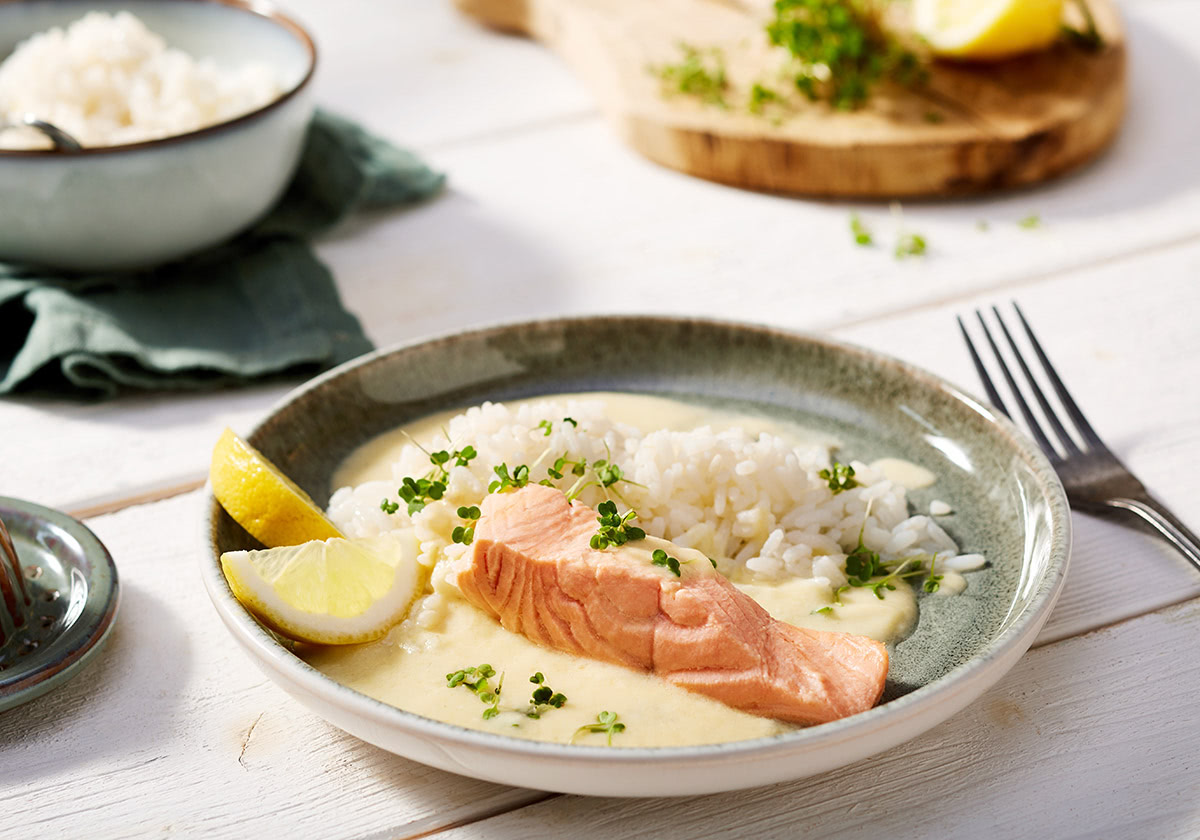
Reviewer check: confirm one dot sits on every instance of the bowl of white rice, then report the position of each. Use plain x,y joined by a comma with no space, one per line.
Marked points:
191,114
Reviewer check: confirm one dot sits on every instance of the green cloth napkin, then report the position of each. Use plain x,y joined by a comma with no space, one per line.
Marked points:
258,305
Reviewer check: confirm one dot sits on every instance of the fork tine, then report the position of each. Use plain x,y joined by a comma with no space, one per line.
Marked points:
981,371
1030,420
1081,423
1048,412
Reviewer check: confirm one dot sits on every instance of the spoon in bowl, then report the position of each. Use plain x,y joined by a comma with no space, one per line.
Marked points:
63,142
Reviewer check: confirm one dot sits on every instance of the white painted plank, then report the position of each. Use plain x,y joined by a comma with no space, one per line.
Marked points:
1070,744
155,736
564,220
568,220
1124,376
1107,332
423,74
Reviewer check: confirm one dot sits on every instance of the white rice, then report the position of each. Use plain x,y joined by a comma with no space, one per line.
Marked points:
108,80
755,504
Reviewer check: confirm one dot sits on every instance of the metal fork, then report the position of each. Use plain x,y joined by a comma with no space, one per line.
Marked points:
1095,481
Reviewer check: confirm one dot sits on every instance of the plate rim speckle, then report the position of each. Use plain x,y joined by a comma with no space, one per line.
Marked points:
657,771
82,642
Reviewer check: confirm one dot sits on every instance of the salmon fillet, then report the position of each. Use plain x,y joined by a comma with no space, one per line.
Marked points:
532,568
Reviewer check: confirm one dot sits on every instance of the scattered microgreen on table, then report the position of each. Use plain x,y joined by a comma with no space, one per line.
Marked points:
862,236
910,245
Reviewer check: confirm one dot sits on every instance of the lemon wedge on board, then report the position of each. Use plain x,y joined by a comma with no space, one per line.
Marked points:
987,29
262,499
329,592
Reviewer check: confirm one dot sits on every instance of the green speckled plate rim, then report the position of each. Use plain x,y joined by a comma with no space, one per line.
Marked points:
1015,638
85,637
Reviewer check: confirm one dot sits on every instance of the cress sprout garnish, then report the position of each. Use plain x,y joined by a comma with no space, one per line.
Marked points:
476,679
465,534
699,73
418,492
543,697
839,477
615,529
606,722
660,558
862,236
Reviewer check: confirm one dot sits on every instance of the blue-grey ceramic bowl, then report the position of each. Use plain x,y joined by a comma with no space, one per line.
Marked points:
1009,505
145,203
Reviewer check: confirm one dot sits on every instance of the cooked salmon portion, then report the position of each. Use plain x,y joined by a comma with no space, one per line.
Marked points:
531,566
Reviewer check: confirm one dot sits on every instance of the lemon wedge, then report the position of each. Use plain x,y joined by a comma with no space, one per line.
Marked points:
263,500
987,29
329,592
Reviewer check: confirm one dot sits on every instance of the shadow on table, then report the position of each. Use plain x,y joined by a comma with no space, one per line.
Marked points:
119,704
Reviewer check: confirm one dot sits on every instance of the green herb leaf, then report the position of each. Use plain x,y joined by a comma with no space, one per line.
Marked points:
606,722
910,245
839,477
840,50
1030,222
760,96
862,236
699,73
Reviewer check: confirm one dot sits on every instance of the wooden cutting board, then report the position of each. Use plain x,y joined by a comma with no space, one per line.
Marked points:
997,125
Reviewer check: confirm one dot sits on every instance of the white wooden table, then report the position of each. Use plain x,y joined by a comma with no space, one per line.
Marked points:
1096,733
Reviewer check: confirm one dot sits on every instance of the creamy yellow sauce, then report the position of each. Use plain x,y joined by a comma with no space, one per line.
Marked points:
408,669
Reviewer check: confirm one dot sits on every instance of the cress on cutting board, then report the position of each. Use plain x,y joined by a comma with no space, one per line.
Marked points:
612,569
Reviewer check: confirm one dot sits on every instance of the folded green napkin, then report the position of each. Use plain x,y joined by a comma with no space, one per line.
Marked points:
258,305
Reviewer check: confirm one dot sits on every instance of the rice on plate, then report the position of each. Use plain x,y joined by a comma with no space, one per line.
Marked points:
755,503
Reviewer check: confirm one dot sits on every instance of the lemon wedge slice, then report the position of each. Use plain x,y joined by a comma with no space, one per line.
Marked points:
329,592
987,29
263,500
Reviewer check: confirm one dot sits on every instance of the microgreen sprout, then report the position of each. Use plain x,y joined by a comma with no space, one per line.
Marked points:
1088,38
465,534
840,50
476,679
699,73
933,582
547,427
606,722
839,477
572,421
910,245
1030,222
862,236
504,481
543,697
760,96
418,492
615,529
660,558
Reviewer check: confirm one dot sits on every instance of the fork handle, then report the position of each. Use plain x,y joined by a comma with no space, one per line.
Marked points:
1163,521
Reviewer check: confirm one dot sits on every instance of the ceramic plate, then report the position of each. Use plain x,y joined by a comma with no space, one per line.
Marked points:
1008,505
72,585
